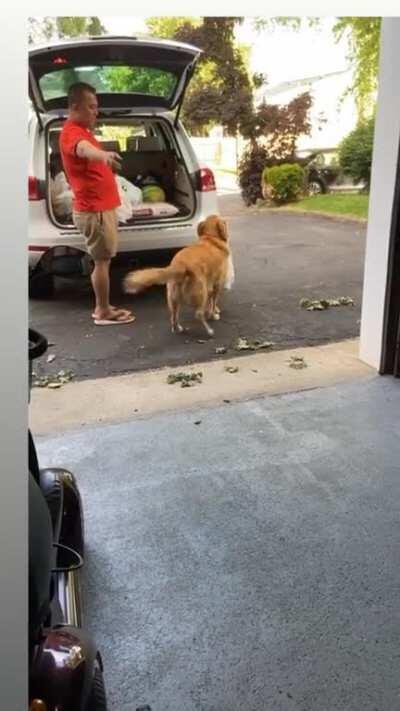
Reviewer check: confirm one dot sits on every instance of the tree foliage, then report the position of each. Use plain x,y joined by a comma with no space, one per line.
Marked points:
273,133
363,37
355,152
221,90
291,23
168,27
41,29
279,126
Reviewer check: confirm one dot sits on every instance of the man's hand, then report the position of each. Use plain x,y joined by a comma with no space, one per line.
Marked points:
112,159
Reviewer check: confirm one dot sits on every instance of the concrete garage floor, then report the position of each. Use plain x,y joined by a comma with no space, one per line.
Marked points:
249,562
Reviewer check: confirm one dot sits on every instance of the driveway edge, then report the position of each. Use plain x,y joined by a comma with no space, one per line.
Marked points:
138,395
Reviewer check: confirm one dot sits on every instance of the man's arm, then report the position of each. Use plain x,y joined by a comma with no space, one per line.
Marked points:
84,149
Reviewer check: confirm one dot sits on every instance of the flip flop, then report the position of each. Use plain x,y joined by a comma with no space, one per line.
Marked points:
122,311
113,321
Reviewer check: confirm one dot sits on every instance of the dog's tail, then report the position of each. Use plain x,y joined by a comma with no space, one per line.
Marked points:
143,278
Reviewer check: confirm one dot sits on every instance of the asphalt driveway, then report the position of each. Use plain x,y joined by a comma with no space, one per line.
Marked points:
279,258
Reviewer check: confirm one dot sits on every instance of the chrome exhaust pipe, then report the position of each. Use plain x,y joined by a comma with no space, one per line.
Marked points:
68,585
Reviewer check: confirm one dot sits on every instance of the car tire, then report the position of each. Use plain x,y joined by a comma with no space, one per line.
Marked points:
97,700
41,285
316,187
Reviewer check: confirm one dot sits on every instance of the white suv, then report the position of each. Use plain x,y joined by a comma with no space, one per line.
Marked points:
140,84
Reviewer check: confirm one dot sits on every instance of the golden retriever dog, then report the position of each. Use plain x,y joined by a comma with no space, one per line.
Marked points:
195,277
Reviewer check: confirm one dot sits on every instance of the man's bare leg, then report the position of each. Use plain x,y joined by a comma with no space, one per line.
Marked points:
101,286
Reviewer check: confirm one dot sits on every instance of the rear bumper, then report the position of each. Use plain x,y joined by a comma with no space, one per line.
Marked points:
43,235
129,242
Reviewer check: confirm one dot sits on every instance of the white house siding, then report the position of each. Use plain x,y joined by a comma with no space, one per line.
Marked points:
328,103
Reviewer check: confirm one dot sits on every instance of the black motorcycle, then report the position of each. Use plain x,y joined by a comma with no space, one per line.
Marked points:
65,666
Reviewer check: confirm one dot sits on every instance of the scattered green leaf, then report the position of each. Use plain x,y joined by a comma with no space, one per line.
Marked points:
297,362
246,344
323,304
186,380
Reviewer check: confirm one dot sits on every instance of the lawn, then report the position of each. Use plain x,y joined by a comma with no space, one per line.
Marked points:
338,204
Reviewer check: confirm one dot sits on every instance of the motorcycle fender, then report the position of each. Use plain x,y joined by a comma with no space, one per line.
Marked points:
62,669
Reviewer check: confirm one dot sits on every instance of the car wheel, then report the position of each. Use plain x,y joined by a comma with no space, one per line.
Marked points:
316,187
97,697
41,285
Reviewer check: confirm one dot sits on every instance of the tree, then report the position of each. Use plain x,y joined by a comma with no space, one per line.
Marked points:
363,37
44,28
363,40
292,23
221,90
222,93
40,29
355,152
167,27
272,132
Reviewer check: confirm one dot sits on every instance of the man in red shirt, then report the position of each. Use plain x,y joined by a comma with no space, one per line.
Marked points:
89,171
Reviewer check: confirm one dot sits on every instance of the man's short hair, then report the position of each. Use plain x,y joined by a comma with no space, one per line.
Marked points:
76,92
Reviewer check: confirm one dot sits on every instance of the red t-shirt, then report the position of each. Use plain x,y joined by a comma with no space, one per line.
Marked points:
92,182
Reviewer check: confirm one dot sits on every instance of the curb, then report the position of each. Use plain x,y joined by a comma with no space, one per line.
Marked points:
316,213
140,395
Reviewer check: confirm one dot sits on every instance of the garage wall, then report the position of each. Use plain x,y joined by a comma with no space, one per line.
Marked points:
386,147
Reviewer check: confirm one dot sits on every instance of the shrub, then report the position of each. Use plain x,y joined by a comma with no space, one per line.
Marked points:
273,132
355,152
250,170
286,182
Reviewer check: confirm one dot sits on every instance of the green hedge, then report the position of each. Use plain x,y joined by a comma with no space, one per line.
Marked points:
285,182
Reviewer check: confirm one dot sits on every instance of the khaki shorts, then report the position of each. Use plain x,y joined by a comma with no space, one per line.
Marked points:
100,231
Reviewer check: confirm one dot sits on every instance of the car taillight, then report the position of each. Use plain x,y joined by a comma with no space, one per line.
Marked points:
34,189
205,180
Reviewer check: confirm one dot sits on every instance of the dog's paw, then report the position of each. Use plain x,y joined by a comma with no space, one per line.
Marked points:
178,329
216,316
128,287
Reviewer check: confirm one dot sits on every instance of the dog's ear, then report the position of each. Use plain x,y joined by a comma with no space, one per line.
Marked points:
222,230
200,228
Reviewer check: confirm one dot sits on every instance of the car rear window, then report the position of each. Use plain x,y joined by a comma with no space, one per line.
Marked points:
110,80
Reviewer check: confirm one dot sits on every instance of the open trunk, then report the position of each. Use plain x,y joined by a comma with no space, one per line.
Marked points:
149,154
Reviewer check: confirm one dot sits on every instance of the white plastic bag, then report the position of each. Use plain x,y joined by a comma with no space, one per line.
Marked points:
124,210
130,196
61,195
